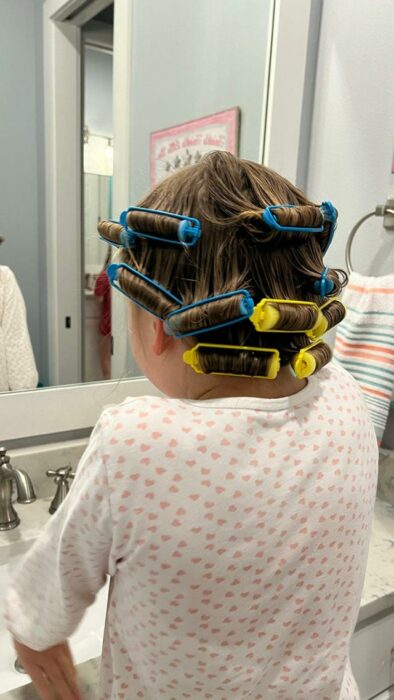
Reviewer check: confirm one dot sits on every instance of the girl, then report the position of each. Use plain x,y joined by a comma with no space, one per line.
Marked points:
102,292
232,516
17,364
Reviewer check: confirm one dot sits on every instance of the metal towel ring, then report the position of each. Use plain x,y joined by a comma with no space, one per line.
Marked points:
381,210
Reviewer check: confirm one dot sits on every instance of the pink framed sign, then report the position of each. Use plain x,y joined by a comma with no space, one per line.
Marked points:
185,144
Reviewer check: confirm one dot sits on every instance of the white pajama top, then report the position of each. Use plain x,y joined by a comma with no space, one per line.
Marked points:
17,365
235,532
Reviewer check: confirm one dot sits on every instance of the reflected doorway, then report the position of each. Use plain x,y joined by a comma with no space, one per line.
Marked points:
97,173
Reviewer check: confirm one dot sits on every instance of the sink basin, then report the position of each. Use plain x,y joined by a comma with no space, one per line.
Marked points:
85,643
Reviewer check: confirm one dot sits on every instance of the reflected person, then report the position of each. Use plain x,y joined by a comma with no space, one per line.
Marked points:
17,365
102,292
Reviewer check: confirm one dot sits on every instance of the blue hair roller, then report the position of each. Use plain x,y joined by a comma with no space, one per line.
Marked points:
323,286
127,238
328,211
246,307
189,228
329,214
113,273
188,234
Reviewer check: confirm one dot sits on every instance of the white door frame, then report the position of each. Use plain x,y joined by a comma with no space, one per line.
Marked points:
63,159
62,116
289,104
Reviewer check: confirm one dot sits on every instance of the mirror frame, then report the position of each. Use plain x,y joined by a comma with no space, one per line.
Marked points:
63,409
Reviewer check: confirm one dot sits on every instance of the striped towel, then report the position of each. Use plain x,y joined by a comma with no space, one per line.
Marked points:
364,343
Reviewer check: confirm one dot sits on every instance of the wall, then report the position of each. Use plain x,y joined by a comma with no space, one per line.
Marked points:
195,59
22,213
98,91
97,153
191,59
352,140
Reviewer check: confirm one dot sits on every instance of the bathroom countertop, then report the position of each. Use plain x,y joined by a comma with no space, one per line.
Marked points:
88,677
378,593
33,517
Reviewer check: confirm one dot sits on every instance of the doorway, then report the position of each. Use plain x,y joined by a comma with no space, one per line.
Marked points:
96,196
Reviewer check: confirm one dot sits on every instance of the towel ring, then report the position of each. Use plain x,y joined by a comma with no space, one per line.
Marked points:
381,210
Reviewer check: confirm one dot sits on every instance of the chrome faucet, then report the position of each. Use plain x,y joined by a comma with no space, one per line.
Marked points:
8,475
61,477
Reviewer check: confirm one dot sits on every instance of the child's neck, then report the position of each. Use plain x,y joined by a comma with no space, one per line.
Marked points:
221,387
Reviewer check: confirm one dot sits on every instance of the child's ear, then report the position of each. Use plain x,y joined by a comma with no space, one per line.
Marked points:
160,340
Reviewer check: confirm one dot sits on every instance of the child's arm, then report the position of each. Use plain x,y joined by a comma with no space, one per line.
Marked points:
65,568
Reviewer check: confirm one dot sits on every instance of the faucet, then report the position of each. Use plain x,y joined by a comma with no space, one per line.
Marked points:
62,476
8,475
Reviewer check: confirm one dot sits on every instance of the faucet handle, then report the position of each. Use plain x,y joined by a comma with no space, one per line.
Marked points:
61,474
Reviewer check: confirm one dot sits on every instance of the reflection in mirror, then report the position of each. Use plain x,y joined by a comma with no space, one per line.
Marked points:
97,196
217,58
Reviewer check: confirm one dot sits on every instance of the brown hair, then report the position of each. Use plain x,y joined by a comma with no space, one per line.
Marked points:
236,251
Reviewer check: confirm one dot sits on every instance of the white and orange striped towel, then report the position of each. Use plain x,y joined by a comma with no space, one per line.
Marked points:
364,342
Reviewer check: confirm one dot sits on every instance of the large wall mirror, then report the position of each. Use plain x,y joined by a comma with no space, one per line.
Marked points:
101,99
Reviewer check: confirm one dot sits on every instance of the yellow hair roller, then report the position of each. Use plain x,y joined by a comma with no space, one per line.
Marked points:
191,358
321,325
304,364
265,316
319,328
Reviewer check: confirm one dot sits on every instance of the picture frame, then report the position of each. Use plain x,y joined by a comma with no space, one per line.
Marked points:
185,144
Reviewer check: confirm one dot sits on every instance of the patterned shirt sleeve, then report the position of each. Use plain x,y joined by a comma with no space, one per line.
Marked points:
70,559
21,367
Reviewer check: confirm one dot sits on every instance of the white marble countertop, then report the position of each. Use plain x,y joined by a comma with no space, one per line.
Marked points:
378,593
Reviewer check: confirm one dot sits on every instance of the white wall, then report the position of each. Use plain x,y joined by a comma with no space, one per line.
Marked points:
352,141
191,59
98,91
351,149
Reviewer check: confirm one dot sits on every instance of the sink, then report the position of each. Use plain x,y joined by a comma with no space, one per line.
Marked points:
85,643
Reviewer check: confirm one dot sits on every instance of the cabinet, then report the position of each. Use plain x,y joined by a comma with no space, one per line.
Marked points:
372,656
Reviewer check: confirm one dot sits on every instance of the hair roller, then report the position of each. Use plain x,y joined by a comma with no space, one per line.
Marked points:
208,314
302,216
239,361
325,285
310,359
145,293
161,226
111,232
333,312
285,315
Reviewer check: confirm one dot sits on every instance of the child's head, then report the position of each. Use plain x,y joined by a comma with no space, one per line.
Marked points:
237,250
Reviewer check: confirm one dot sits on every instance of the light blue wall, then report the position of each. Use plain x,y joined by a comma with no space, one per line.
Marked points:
22,214
98,91
191,59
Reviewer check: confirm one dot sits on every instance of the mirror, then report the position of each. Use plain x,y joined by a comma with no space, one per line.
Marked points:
97,174
221,79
